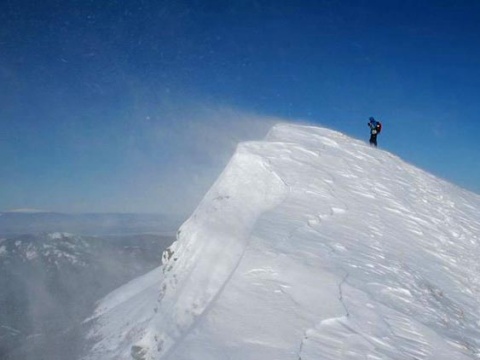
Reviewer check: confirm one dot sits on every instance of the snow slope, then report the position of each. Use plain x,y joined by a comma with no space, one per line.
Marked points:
310,245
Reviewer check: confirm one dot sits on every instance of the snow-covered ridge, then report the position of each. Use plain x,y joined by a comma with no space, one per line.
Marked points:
310,245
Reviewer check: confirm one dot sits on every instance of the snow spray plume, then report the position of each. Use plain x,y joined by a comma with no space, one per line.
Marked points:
177,153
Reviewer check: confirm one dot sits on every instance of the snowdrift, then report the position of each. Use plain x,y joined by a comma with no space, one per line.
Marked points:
310,245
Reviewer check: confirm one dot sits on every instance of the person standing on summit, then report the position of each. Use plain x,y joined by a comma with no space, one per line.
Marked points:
375,128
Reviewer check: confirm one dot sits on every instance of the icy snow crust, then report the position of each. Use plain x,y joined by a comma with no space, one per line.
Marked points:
310,245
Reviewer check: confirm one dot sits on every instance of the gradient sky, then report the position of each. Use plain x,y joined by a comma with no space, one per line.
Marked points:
136,106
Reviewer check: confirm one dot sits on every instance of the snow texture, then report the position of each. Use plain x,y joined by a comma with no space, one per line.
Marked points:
310,245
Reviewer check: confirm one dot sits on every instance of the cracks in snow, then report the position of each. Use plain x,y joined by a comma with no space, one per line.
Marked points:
340,293
300,350
269,166
347,315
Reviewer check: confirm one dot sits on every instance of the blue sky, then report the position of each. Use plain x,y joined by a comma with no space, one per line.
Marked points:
135,106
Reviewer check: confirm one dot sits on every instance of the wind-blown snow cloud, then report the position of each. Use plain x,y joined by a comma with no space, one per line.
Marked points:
150,154
176,153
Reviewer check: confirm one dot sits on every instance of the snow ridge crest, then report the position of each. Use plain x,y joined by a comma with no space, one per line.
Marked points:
291,223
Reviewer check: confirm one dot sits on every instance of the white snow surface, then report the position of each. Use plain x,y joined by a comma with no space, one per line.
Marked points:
310,245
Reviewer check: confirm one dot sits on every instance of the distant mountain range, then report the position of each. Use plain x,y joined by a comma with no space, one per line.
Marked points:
50,282
28,221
